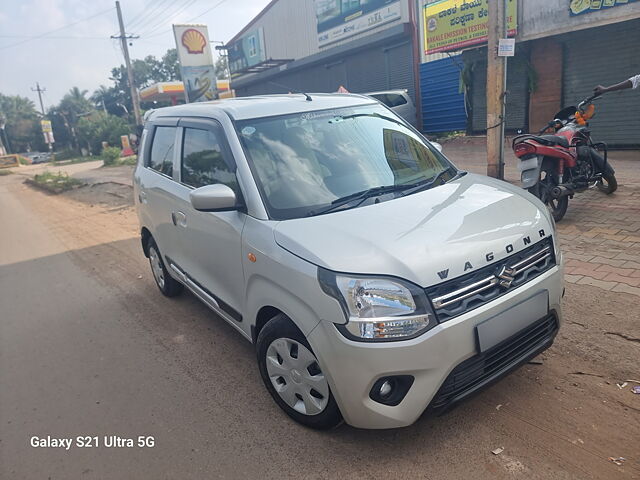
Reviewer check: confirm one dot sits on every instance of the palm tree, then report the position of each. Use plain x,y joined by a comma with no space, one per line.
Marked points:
99,97
77,94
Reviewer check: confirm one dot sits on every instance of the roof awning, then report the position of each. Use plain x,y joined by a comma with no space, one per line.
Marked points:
260,67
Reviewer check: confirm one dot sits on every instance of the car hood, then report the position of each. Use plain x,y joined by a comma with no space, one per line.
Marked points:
455,228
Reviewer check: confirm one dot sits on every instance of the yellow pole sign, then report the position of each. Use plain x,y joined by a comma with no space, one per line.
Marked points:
455,24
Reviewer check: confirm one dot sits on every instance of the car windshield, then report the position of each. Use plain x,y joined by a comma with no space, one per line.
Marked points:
306,163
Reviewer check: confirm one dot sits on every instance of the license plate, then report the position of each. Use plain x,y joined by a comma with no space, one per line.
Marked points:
497,329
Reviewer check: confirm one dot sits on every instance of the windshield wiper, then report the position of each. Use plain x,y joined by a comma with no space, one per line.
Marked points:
362,196
432,181
374,115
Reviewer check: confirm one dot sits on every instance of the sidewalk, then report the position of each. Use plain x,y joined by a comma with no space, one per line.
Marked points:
600,234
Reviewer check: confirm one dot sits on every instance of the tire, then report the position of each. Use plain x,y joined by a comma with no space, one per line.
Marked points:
168,285
546,181
607,184
291,374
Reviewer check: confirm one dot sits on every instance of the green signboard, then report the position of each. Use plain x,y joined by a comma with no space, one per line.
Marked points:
578,7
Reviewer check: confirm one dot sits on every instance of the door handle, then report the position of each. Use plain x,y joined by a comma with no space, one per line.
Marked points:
179,219
142,196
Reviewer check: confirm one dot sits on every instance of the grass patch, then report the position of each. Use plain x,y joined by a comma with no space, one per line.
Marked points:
70,161
118,162
55,182
4,173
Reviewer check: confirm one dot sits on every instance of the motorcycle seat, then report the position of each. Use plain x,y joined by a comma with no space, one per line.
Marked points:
556,140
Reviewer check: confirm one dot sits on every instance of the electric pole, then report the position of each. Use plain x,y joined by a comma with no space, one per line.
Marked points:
496,89
40,92
125,50
48,132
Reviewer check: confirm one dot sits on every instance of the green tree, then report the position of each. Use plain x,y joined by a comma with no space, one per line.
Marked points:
101,127
221,67
66,115
171,66
146,72
22,123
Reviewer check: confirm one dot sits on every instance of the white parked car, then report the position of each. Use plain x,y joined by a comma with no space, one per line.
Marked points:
400,102
375,279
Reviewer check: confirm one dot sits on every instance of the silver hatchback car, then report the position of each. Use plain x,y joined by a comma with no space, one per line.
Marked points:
375,279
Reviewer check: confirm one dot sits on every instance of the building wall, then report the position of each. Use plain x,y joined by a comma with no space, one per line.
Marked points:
290,29
543,18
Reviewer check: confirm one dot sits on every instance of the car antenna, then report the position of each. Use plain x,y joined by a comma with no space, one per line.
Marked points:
293,90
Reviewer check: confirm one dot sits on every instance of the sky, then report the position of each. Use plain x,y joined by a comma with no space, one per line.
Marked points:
83,54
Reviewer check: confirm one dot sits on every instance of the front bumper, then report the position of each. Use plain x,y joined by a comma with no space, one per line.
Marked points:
353,367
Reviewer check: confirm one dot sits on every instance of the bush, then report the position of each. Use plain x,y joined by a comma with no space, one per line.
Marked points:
110,156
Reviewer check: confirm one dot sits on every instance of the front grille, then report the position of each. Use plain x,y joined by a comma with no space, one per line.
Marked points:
483,369
470,291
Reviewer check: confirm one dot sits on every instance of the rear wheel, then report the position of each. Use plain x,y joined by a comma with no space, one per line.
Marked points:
542,190
608,183
165,282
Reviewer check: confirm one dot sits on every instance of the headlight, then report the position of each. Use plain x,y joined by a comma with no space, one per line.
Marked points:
378,309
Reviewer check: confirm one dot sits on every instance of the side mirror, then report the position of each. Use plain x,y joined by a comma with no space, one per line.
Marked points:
213,198
437,145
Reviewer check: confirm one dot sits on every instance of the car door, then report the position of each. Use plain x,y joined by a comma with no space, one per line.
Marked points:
210,242
156,186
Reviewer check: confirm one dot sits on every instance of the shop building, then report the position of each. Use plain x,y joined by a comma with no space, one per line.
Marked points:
302,45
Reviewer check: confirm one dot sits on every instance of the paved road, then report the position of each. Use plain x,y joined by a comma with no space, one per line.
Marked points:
88,347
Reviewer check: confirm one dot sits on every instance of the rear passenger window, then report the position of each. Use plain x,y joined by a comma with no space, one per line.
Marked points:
203,161
382,98
161,158
395,100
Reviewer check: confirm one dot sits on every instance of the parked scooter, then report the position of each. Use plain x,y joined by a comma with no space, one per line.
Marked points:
555,167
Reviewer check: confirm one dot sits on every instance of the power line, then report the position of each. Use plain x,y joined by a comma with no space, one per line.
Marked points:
174,14
57,29
150,15
190,20
162,16
57,37
141,14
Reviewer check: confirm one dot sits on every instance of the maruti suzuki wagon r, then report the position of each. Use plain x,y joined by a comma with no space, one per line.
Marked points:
376,280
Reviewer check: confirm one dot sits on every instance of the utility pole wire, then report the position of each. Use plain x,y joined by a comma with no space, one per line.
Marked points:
56,30
190,20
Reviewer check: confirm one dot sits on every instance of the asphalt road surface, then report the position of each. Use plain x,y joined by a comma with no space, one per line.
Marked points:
89,348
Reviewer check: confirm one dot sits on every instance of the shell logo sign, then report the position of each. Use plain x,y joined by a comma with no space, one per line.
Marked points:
193,41
196,62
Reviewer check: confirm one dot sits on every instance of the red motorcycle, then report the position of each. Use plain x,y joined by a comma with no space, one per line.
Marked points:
556,167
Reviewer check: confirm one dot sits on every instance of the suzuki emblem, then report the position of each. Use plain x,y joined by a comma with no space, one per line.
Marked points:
506,276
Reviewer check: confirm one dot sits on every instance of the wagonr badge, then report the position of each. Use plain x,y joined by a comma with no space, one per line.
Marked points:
318,225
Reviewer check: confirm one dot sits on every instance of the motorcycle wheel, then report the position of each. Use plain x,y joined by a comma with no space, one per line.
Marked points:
546,181
607,184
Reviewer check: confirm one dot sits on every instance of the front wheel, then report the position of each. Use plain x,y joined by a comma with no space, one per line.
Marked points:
608,183
542,190
292,375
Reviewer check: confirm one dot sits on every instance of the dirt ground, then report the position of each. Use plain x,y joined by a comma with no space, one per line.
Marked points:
560,417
